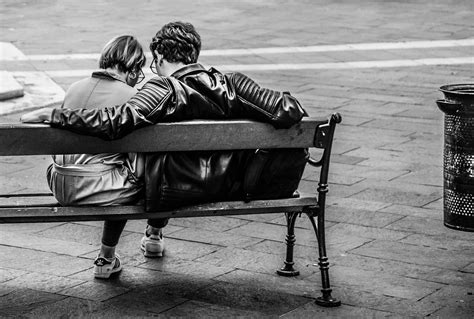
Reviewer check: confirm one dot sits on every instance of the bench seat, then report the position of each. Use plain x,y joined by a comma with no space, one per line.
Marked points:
29,209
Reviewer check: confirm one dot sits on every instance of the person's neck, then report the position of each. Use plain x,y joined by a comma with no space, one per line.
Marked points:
169,68
121,75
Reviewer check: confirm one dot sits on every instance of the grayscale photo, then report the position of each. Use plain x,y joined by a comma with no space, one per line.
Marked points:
237,159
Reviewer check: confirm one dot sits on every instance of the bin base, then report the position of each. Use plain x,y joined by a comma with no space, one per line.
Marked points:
457,227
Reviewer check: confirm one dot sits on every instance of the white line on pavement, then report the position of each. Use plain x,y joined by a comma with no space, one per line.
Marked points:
345,47
257,51
349,65
297,66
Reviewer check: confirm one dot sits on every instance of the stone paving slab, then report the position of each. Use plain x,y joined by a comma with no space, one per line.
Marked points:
263,262
65,247
366,301
24,300
238,296
187,267
154,299
47,283
383,283
94,291
8,274
14,171
72,307
73,232
216,238
414,254
459,302
361,216
199,309
41,262
26,228
405,268
210,223
310,309
426,226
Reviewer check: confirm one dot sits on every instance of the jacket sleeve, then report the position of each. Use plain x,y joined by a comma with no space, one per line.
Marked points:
278,108
145,108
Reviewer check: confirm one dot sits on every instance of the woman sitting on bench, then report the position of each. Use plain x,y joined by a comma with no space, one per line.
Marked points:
103,179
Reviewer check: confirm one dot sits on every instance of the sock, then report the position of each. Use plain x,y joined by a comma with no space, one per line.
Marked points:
107,251
150,230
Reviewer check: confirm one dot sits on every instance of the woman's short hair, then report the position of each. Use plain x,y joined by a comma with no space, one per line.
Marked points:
124,52
177,42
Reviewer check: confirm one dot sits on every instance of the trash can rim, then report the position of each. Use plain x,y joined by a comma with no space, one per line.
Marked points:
462,89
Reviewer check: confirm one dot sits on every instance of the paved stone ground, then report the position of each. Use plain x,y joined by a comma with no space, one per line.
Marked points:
390,254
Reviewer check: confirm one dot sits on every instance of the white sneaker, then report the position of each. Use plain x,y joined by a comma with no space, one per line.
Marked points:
104,267
152,245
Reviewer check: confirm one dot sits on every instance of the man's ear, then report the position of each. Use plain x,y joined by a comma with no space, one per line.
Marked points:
157,55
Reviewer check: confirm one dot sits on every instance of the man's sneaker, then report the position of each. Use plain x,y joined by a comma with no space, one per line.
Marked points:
104,267
152,245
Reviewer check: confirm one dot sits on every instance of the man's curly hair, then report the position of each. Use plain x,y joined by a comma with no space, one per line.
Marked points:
177,42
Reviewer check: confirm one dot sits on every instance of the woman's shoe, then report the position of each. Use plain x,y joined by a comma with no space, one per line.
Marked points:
104,267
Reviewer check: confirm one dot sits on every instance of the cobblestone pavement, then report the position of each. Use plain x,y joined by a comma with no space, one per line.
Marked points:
390,254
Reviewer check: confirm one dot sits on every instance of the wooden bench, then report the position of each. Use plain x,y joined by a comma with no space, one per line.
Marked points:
40,139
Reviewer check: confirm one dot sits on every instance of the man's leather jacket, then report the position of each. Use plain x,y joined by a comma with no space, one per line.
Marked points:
178,178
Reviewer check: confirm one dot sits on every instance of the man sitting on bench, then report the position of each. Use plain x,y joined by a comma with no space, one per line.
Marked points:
185,90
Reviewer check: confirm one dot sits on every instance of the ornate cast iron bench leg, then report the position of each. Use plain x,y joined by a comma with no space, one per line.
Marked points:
288,269
326,300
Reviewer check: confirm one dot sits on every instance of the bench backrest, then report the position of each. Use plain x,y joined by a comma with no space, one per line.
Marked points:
41,139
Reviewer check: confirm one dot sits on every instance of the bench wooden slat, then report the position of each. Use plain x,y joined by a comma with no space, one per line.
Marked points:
67,214
28,201
41,139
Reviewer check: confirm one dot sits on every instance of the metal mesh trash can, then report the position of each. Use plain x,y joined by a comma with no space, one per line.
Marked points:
458,106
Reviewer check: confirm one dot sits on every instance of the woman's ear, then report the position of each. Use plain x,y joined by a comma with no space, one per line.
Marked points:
132,75
131,78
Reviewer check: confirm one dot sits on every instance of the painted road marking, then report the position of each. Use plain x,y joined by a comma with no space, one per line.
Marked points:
349,65
11,56
345,47
296,66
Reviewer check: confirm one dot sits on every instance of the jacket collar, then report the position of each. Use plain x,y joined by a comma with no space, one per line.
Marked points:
188,69
103,74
